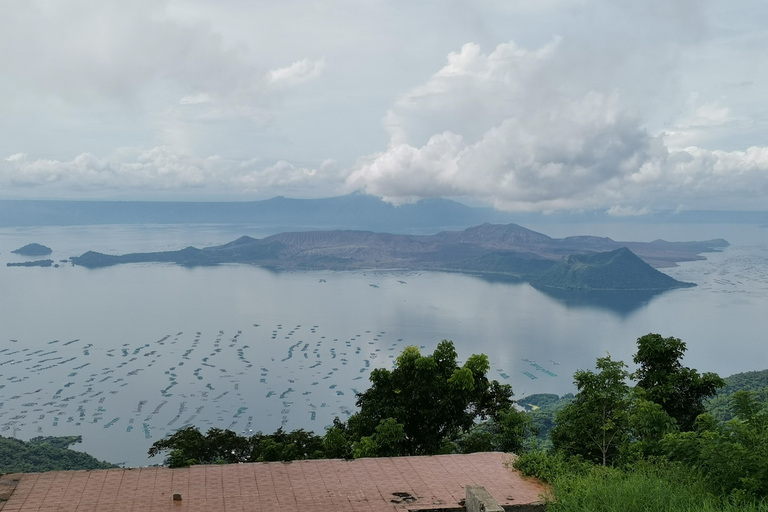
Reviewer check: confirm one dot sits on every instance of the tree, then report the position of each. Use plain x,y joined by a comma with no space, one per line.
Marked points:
336,442
648,424
295,445
596,423
188,446
679,390
387,441
733,457
432,397
508,432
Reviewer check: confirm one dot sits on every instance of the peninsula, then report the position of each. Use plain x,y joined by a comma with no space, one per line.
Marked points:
495,249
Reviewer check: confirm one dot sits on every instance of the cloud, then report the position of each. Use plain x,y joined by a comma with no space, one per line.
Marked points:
470,93
494,131
83,51
135,63
196,99
701,122
627,211
252,99
17,157
299,72
130,172
595,104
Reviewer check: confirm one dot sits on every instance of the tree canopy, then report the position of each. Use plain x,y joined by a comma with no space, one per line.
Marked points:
679,390
431,397
594,424
607,419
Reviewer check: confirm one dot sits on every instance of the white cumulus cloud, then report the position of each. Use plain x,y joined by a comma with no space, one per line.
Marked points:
486,126
131,172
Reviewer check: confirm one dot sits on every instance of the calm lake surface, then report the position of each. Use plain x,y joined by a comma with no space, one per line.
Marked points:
124,355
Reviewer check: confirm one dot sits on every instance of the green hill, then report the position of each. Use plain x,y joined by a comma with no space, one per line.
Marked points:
44,454
756,382
615,270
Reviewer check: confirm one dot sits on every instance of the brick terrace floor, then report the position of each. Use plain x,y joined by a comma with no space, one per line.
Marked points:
363,485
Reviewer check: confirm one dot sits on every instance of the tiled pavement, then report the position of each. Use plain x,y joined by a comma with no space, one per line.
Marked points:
363,485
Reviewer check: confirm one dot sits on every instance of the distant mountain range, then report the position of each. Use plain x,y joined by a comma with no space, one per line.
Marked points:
355,211
491,249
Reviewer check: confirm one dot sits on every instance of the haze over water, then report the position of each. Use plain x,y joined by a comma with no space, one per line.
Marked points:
125,355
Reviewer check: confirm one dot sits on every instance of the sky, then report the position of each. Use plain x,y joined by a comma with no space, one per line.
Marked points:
524,105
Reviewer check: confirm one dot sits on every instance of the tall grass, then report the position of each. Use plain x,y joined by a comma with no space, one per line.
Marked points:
644,487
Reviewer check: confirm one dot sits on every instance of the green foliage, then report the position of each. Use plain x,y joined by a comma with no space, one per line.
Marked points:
387,441
540,401
510,432
733,457
720,405
547,467
648,424
295,445
189,446
45,454
596,423
511,429
542,409
680,390
431,397
645,487
747,381
610,423
336,442
578,486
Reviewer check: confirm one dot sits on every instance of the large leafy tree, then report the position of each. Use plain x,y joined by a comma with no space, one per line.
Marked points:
431,397
596,423
679,390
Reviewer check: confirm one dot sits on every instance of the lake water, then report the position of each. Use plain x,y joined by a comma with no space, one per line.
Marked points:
124,355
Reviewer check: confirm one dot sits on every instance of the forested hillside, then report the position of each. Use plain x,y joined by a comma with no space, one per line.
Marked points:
45,454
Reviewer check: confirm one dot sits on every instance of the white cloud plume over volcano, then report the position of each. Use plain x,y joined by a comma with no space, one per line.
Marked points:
496,131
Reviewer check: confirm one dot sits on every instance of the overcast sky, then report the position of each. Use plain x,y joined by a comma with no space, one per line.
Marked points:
528,105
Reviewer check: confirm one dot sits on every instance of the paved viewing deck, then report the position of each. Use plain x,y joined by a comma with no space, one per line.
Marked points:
393,484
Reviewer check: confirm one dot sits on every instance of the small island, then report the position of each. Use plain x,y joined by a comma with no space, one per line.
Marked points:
36,263
33,250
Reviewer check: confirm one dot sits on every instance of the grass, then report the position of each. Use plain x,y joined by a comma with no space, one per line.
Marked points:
644,487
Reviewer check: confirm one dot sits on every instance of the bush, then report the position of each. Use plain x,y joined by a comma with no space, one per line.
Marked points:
656,486
548,467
